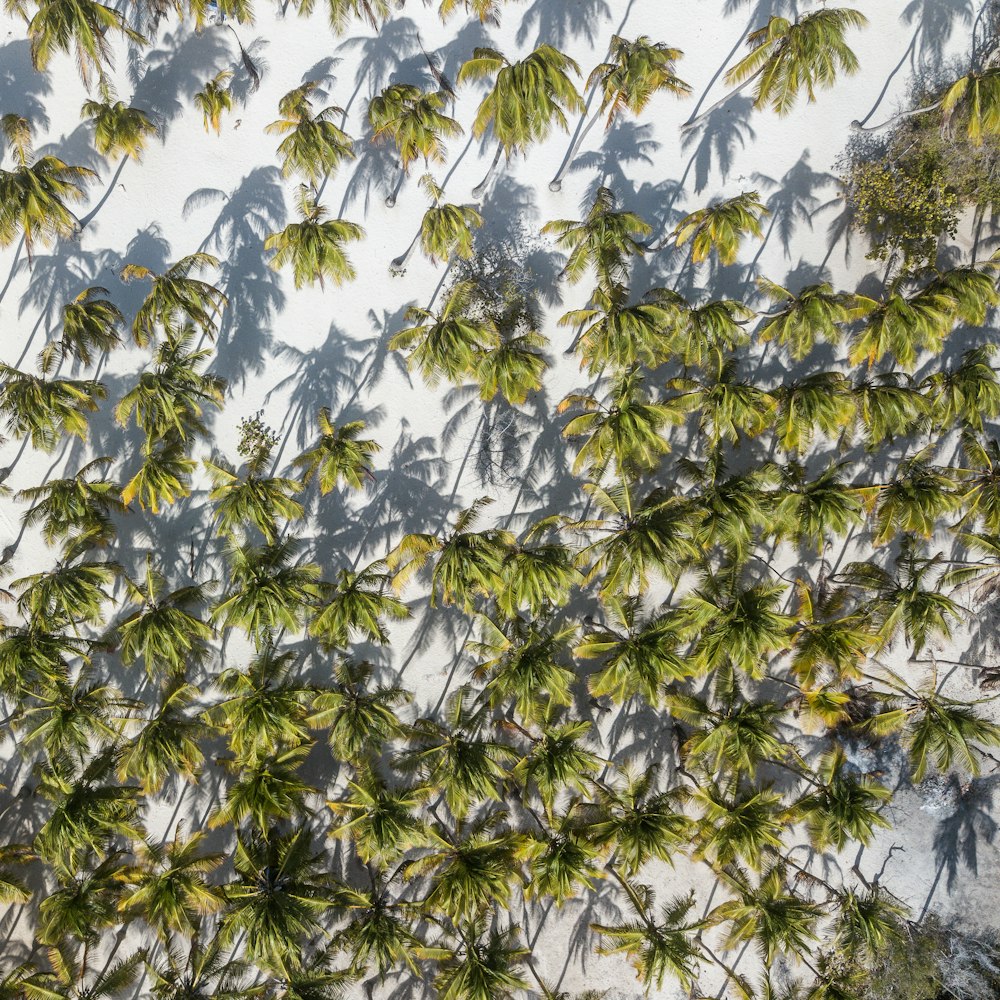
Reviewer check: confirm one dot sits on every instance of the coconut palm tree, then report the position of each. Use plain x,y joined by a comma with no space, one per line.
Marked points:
618,333
270,791
71,981
160,631
938,731
455,757
356,605
36,656
524,664
606,240
657,944
119,129
640,654
359,715
214,99
84,904
974,101
485,10
415,123
176,298
639,821
263,710
449,342
738,825
34,193
558,761
817,312
270,589
313,147
721,227
787,57
840,807
914,502
170,398
868,922
467,564
80,27
889,404
819,510
446,230
821,402
276,901
512,368
381,821
315,246
74,590
75,506
90,325
535,577
484,963
767,913
632,73
527,98
207,971
341,12
252,500
562,862
339,456
170,891
967,393
168,744
625,429
164,475
44,410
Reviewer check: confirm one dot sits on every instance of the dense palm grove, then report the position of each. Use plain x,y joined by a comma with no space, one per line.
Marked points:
776,510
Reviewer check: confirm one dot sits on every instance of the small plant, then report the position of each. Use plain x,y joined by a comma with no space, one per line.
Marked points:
257,440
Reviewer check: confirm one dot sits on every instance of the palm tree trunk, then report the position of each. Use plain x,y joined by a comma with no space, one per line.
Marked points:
398,264
902,116
576,142
693,122
89,217
478,190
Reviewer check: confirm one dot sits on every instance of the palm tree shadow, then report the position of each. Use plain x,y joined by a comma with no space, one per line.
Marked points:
380,55
957,838
559,22
22,87
716,138
625,143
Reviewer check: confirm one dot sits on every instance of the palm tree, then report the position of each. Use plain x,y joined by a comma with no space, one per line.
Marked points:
80,26
356,605
175,297
380,820
639,821
74,590
170,398
914,502
512,368
605,240
535,577
206,972
119,129
168,744
562,862
171,893
163,477
455,757
656,944
214,99
160,631
526,665
415,123
90,325
721,227
339,455
840,807
467,564
640,655
340,12
767,913
280,892
632,73
252,500
527,98
263,711
868,922
483,965
84,904
269,791
625,429
446,343
817,312
618,333
974,99
888,404
822,401
313,146
556,762
75,506
788,56
446,231
821,509
70,981
44,410
485,10
34,193
269,590
315,246
738,825
37,655
967,393
360,716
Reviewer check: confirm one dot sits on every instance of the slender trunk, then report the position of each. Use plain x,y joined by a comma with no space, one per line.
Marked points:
398,264
576,142
89,217
902,116
693,122
478,190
